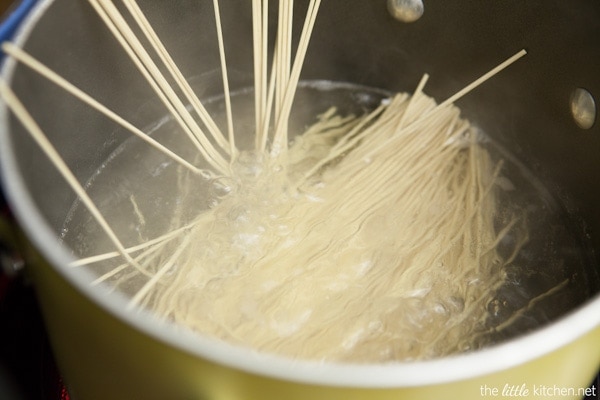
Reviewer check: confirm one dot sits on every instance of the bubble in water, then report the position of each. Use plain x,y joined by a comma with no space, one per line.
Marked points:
406,10
249,164
222,187
239,214
440,308
457,303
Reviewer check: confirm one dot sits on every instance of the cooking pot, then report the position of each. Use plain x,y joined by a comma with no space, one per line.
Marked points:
541,109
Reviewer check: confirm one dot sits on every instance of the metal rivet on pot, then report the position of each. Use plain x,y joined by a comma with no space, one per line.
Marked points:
406,10
583,108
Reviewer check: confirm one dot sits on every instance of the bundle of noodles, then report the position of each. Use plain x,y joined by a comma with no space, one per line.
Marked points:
371,239
365,239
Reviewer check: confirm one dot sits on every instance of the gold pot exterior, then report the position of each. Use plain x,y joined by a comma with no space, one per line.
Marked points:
103,357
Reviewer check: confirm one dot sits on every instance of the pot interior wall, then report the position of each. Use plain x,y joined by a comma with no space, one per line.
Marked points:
525,108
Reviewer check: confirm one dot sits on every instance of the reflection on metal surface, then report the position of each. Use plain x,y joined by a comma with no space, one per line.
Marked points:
406,10
583,108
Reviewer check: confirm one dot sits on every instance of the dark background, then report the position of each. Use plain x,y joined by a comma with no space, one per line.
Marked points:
27,368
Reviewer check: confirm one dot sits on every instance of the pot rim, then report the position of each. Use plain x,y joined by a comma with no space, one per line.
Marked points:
505,355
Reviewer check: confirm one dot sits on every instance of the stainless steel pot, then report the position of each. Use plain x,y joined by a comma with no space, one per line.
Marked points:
106,352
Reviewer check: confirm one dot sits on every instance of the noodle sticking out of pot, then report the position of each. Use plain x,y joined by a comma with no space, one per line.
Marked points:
363,239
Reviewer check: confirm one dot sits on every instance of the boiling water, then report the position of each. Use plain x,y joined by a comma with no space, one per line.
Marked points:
144,195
